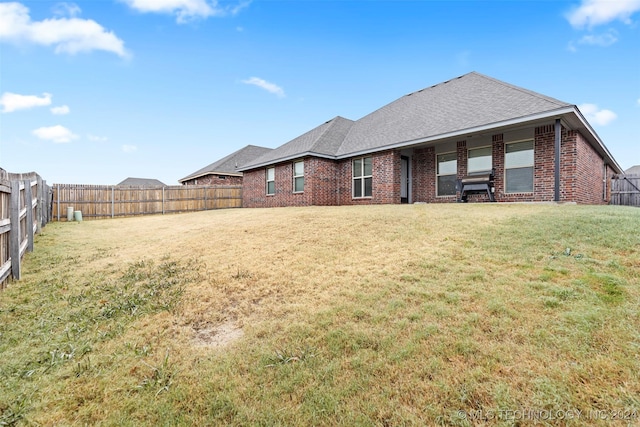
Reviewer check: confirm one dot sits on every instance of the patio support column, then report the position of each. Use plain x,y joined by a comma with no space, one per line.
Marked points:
558,140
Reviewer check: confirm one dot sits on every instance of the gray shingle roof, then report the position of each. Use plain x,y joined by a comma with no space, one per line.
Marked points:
229,165
142,182
462,103
323,140
633,170
466,102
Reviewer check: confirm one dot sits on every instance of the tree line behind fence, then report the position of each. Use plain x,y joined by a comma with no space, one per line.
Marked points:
25,207
625,190
109,201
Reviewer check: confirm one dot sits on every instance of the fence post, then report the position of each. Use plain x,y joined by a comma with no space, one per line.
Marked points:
14,233
162,200
39,206
58,202
28,204
113,202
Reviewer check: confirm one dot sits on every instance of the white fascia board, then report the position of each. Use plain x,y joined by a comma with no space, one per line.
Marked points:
286,159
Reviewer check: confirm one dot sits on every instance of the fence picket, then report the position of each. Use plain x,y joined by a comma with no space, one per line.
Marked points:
108,201
25,207
625,190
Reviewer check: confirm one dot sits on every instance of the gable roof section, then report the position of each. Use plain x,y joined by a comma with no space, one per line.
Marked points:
322,141
230,164
142,182
466,104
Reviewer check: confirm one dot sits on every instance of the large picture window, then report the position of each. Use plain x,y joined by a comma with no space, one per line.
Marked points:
518,164
446,174
298,177
271,180
479,160
362,177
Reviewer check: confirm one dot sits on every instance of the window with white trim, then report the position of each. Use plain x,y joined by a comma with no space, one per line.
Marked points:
271,181
518,167
362,177
447,167
479,160
298,177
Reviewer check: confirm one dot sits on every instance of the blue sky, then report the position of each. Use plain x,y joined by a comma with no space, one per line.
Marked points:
94,92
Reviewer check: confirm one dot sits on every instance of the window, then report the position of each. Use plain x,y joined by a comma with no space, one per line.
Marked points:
362,177
222,177
518,164
446,174
271,180
479,160
298,177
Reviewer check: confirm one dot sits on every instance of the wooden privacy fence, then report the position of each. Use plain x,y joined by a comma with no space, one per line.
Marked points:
625,190
25,207
112,201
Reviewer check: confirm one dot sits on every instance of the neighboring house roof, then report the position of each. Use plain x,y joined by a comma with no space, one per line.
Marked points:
229,165
142,182
471,103
633,170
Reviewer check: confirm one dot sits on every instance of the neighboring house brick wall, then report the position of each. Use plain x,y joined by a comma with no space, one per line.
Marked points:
214,180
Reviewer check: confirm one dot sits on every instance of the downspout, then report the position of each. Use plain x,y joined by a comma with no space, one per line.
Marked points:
556,189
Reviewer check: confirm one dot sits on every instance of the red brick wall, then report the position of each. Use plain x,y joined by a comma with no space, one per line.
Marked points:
590,174
329,182
214,180
423,179
386,180
321,180
254,192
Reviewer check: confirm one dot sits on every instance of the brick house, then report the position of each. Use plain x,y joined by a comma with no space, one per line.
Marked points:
225,171
416,148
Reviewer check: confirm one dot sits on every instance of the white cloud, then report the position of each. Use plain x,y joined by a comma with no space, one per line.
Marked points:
269,87
592,13
66,9
604,40
596,116
129,148
58,134
185,10
61,110
95,138
68,35
638,101
12,101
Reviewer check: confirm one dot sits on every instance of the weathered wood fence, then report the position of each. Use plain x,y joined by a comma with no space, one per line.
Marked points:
113,201
25,207
625,190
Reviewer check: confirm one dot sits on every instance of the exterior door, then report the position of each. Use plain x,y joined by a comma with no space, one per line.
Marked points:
404,179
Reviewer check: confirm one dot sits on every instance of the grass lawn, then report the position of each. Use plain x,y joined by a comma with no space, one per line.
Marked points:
485,314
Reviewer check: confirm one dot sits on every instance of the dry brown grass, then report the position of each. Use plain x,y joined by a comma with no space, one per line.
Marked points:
378,315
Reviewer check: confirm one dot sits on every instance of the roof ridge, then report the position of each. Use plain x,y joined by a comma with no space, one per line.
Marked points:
521,89
325,131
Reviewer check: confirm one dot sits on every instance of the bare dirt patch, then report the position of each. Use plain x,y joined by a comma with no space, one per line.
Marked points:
216,336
